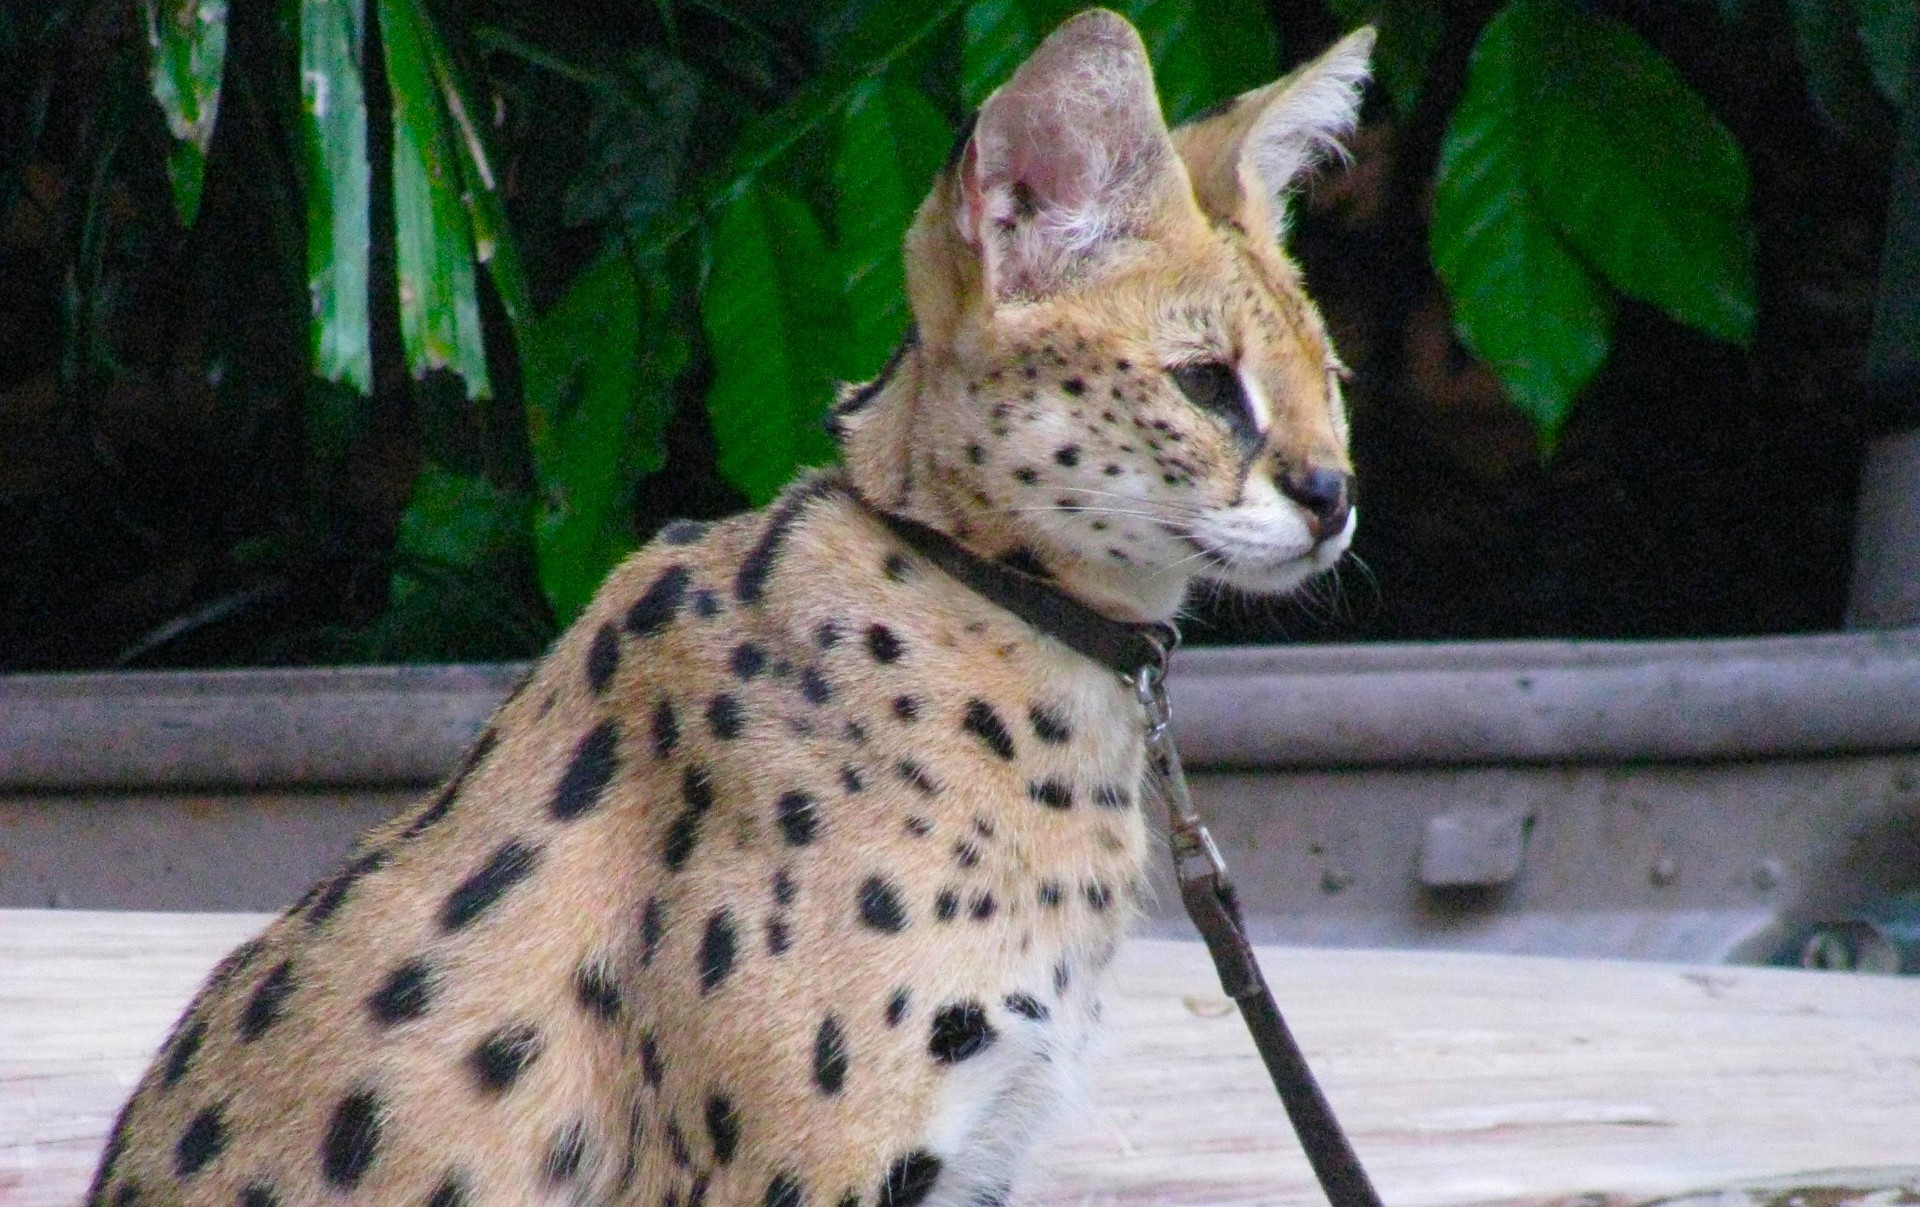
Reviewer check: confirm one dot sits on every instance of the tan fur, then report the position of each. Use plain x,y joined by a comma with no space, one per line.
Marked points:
947,752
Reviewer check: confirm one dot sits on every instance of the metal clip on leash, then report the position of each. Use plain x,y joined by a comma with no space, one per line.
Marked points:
1209,897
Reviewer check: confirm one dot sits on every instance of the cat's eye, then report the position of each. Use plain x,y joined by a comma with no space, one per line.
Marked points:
1214,387
1211,386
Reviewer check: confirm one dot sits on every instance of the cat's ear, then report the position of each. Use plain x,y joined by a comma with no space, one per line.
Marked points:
1068,161
1245,157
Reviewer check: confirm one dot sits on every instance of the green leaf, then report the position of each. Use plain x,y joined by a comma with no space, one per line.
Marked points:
333,134
452,593
188,39
1409,34
457,520
636,146
493,243
1886,34
892,142
433,241
774,319
1642,180
1838,77
599,370
1205,51
1576,149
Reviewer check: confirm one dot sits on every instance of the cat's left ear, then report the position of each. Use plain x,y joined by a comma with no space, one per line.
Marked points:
1245,157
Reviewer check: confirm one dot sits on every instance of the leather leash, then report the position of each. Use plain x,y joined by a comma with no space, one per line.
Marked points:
1139,654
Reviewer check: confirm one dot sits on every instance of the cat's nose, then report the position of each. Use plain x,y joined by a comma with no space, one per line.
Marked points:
1327,494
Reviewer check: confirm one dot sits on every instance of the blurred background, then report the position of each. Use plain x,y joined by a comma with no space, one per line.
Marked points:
342,332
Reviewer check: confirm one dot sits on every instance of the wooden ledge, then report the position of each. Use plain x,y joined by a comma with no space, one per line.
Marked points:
1464,1079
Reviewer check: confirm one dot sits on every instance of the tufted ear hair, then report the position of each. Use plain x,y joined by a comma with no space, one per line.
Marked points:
1247,156
1068,160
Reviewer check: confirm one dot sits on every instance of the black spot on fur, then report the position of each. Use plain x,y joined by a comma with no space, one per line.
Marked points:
651,1067
407,993
880,906
966,854
334,895
723,1127
946,904
784,889
683,532
1099,896
815,687
696,789
443,803
259,1194
652,920
352,1141
1062,977
826,635
959,1031
779,936
181,1052
677,1145
565,1154
204,1139
596,990
882,644
706,605
1049,726
1067,455
897,1006
666,729
747,660
723,717
1050,792
984,723
910,1179
1110,796
850,779
657,607
716,951
1027,1006
595,760
1074,386
128,1195
513,862
830,1056
785,1190
757,567
895,566
501,1057
603,659
1026,475
450,1193
798,818
907,708
982,907
1049,893
911,773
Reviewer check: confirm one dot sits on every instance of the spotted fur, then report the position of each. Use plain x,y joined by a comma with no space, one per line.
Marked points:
789,878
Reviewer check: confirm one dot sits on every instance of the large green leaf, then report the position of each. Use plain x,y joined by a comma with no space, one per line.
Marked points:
1887,36
188,39
1409,34
1576,148
636,145
433,241
333,132
598,369
892,142
1521,300
1203,51
493,243
775,322
1642,180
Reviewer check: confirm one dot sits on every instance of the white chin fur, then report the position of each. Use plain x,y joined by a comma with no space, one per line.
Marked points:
1280,566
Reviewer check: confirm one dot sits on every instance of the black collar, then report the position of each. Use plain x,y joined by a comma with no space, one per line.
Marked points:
1124,648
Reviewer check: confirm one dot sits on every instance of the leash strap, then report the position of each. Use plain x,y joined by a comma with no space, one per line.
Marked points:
1139,654
1211,902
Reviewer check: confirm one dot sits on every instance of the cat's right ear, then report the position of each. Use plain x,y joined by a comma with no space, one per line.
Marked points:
1068,161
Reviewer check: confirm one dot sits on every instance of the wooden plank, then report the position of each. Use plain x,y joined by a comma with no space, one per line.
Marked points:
1464,1079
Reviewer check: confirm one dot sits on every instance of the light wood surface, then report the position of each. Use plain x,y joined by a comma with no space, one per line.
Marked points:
1463,1079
